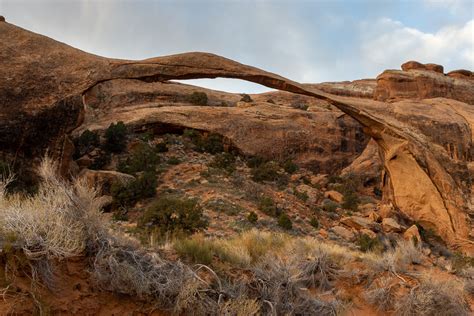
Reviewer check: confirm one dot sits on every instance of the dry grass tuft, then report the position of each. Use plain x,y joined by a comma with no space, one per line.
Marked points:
434,298
381,294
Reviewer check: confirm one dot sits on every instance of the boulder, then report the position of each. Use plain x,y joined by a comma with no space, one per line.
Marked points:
357,222
409,65
334,195
435,68
343,232
374,216
390,225
104,179
412,233
369,233
386,210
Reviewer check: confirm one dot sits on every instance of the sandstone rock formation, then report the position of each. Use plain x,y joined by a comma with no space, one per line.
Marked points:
425,144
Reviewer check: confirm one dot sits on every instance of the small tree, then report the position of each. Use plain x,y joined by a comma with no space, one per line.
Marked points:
116,137
284,221
173,214
252,217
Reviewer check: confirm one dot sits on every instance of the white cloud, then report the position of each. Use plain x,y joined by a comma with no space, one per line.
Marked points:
387,43
453,6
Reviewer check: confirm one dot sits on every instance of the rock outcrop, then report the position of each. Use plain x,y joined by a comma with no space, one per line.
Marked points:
43,85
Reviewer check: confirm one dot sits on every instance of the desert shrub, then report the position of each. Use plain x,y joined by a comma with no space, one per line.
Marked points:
270,101
302,195
171,214
300,106
268,206
127,194
224,206
210,143
142,158
224,161
85,143
162,147
268,171
329,206
173,160
252,217
254,161
366,243
130,271
284,221
198,98
240,306
397,259
246,98
314,222
350,200
319,269
116,137
461,262
434,298
289,166
195,249
61,220
381,295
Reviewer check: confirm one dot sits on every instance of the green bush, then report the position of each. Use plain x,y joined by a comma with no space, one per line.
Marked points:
252,217
268,207
366,243
86,143
268,171
246,98
195,249
303,196
210,143
350,200
290,167
198,98
116,137
314,222
284,221
142,158
173,160
173,214
127,194
329,206
224,161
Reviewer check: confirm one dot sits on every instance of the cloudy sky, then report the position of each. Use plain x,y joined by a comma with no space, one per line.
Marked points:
307,41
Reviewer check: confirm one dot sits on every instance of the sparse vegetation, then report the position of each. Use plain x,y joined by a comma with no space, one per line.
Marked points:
329,206
284,221
246,98
127,194
224,161
268,207
142,158
198,98
174,214
434,298
314,222
366,243
252,217
86,143
210,143
116,137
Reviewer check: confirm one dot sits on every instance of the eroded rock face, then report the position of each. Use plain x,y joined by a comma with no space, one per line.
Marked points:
320,140
418,81
43,84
